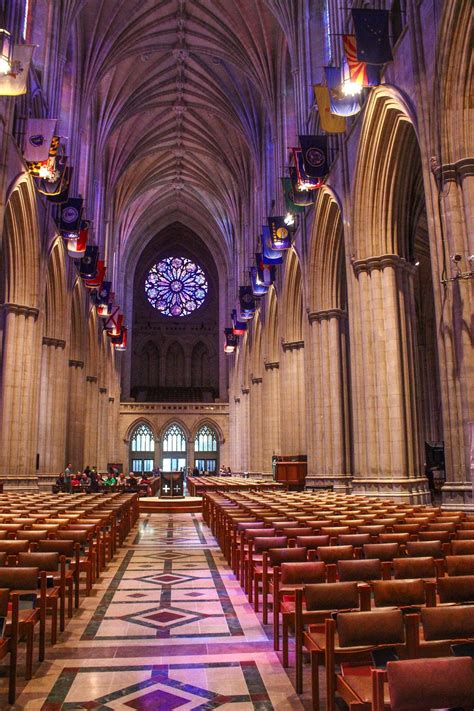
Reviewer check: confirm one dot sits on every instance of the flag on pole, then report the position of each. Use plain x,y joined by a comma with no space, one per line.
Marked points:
340,104
360,73
279,234
328,122
247,303
372,35
231,341
95,281
70,217
77,247
314,154
269,255
294,194
38,137
238,327
258,289
16,82
88,263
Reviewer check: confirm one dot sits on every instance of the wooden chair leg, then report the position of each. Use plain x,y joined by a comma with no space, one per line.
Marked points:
29,652
284,634
276,623
54,620
314,681
255,593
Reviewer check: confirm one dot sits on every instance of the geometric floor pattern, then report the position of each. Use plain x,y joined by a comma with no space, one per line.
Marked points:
167,627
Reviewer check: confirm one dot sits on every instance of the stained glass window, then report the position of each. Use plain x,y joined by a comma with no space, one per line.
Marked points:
142,440
174,439
206,440
176,286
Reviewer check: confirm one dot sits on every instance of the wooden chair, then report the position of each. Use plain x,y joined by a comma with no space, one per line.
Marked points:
9,643
462,547
254,573
350,571
314,604
23,581
442,627
459,564
272,560
72,554
404,593
88,561
54,566
331,555
406,568
424,684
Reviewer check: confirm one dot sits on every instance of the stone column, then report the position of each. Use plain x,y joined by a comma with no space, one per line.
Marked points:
103,433
244,431
271,399
292,402
455,309
329,459
76,416
53,407
387,458
19,395
92,421
256,425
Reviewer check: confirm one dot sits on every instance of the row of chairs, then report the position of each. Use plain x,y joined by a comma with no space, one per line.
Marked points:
368,589
49,556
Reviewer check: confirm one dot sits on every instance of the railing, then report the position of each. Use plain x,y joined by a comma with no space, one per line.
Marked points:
216,408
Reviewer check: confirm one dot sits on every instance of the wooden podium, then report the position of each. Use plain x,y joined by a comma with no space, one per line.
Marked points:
172,485
291,474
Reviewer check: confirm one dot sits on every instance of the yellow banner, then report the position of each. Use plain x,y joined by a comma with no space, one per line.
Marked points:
328,122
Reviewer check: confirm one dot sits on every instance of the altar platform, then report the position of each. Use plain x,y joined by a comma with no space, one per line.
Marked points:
186,504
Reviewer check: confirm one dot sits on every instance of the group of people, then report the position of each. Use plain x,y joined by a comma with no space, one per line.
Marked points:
91,480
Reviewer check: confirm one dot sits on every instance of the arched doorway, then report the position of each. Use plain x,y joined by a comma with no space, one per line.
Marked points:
206,449
174,449
142,448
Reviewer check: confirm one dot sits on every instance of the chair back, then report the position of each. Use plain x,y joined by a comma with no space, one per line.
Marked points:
359,570
379,627
331,554
420,684
43,561
462,547
353,539
331,596
399,593
303,573
405,568
458,564
66,548
459,589
422,549
277,556
312,542
19,578
14,547
382,551
264,544
448,623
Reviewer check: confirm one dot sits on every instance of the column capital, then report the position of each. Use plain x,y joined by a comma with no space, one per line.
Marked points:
272,365
292,345
245,391
102,391
326,315
256,381
370,264
111,399
91,378
76,363
56,342
21,309
450,172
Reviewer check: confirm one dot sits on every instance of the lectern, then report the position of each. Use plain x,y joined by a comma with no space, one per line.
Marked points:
172,485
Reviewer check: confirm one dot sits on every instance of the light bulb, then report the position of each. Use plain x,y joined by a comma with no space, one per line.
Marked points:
5,67
349,88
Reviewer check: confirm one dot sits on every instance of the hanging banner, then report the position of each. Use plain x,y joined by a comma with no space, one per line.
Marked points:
88,264
295,197
258,289
314,154
266,273
70,218
231,341
341,104
246,302
38,137
279,234
62,195
95,281
270,256
361,73
238,327
372,35
15,82
77,247
327,121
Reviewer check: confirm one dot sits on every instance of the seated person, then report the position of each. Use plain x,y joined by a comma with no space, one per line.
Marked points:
110,480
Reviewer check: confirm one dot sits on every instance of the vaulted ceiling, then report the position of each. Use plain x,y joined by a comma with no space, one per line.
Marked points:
181,97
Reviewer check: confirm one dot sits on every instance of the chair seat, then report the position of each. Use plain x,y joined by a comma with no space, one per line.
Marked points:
359,679
315,638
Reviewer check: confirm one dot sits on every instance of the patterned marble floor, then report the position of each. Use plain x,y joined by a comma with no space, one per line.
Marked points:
168,627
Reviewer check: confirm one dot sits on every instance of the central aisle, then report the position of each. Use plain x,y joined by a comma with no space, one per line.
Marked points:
168,628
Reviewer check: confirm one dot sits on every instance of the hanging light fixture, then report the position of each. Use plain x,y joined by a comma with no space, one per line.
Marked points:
6,52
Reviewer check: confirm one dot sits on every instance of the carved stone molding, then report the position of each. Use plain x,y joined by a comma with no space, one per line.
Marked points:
245,391
380,263
326,315
292,345
91,378
21,309
56,342
102,391
111,399
76,363
256,381
274,365
236,399
454,171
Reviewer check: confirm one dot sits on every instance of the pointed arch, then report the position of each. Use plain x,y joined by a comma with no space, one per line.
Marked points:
271,344
256,347
292,299
385,213
78,333
175,362
326,277
20,253
55,293
200,370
